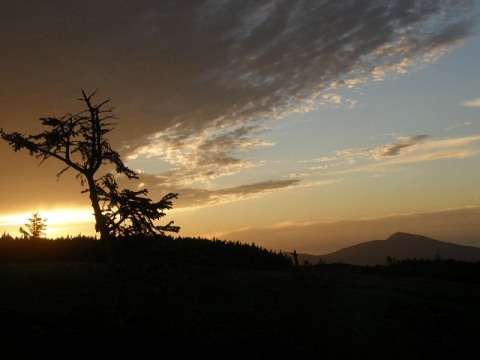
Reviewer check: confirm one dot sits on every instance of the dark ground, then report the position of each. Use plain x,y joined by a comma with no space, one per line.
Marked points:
53,308
194,310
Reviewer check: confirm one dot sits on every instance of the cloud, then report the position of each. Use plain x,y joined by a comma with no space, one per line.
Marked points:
195,197
406,150
403,143
203,197
181,68
455,148
218,152
206,156
466,123
472,103
195,83
351,156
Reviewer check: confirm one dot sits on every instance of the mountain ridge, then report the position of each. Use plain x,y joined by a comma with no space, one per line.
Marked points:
399,246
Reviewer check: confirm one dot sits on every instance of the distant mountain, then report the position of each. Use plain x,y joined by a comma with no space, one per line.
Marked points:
399,246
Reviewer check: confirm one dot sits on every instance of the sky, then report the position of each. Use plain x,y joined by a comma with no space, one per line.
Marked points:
309,125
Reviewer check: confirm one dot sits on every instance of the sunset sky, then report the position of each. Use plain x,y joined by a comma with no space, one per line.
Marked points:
307,125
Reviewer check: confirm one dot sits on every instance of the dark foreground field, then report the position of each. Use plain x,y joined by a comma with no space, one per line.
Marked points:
194,309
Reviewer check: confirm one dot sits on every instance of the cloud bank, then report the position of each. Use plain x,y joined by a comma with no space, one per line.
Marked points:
209,64
195,82
248,62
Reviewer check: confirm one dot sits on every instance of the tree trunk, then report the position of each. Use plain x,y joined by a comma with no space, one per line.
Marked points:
100,223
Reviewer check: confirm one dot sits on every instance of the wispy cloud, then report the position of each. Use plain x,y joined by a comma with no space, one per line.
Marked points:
407,149
466,123
471,103
204,155
194,197
458,148
402,143
350,156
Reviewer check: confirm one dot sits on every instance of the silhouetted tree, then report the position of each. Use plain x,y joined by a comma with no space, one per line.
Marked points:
79,141
36,227
295,257
6,236
128,213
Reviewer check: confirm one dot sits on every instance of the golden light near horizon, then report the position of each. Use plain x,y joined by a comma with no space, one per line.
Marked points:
57,220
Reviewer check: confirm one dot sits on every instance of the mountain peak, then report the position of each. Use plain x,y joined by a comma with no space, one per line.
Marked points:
403,236
401,246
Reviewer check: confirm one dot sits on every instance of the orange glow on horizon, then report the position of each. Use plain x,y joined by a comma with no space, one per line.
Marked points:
60,222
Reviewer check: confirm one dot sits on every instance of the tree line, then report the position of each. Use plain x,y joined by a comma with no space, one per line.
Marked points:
189,251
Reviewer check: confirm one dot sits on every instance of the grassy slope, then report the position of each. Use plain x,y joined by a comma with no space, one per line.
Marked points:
234,313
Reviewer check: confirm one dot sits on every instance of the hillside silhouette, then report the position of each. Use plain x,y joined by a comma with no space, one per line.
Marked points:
398,246
215,299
